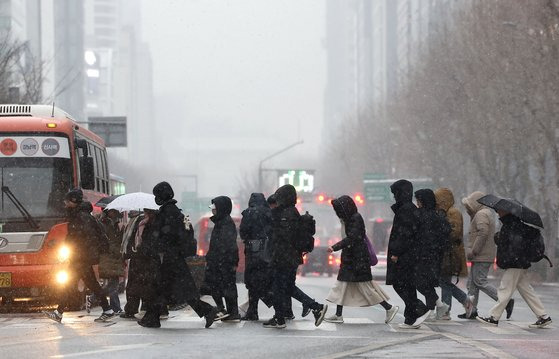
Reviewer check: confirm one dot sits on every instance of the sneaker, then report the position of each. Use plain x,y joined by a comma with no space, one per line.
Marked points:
488,320
338,319
211,317
391,313
118,312
442,310
446,316
127,316
175,307
250,317
290,317
421,319
278,323
104,317
54,315
465,315
164,316
220,315
431,317
88,303
408,326
232,318
147,324
509,308
306,311
541,323
319,314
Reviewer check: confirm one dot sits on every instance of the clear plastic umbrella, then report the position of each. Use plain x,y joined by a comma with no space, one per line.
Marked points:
133,201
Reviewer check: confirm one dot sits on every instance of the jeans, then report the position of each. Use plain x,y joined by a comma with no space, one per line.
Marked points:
85,272
112,289
449,290
477,280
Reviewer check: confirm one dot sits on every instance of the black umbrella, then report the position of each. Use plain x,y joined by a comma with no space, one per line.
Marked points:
103,202
514,207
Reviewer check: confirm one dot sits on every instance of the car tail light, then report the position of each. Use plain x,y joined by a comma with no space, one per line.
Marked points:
200,252
338,261
330,259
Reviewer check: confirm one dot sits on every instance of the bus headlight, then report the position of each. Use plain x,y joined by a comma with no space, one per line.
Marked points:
62,277
63,253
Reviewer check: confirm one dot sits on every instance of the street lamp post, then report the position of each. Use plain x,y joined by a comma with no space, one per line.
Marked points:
272,156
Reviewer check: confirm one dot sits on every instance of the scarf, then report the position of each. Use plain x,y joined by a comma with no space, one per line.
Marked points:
141,227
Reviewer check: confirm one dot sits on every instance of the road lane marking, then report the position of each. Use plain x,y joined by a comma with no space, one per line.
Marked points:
6,344
377,346
107,349
494,352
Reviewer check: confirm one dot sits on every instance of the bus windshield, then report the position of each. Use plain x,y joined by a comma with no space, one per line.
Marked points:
38,183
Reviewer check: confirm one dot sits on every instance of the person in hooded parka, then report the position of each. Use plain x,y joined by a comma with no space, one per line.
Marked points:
256,231
167,242
402,253
222,259
355,286
433,239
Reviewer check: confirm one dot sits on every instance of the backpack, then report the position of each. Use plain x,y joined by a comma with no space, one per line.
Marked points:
305,236
535,249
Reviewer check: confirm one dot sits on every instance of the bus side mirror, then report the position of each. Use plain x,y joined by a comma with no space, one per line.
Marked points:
86,173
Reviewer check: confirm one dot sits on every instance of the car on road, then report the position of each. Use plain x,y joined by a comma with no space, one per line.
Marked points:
320,261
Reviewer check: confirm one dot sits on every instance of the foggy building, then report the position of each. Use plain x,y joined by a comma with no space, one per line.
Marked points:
119,78
371,49
13,19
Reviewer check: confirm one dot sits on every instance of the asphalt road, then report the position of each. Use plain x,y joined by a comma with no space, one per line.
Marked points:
363,335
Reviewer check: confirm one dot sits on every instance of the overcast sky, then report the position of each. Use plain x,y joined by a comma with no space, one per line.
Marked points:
239,79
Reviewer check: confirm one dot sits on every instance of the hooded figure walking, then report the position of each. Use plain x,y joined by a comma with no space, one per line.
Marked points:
222,260
402,253
454,257
168,242
355,286
256,231
433,239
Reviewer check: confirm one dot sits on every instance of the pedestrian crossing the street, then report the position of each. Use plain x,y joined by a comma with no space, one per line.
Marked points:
188,320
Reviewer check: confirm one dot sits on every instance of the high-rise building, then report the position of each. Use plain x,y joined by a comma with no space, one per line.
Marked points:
371,48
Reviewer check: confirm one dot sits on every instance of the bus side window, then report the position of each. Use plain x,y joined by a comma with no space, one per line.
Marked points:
105,171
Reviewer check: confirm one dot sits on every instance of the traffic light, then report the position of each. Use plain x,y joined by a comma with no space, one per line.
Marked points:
359,200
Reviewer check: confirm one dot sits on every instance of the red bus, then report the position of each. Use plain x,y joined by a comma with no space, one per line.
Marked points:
203,231
43,153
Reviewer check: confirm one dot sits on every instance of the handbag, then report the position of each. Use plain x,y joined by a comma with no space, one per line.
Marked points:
371,250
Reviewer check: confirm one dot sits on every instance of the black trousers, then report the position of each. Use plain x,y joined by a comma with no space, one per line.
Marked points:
430,295
414,307
84,272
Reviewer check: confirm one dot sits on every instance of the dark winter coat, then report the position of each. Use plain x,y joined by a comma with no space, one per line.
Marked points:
402,241
111,264
169,233
223,253
285,227
511,242
83,234
433,239
355,263
144,270
256,230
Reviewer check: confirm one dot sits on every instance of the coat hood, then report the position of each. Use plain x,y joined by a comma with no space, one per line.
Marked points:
223,207
344,207
471,203
163,192
85,207
286,196
426,197
402,190
444,198
257,200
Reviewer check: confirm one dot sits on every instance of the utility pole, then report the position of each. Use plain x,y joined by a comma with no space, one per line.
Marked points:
272,156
